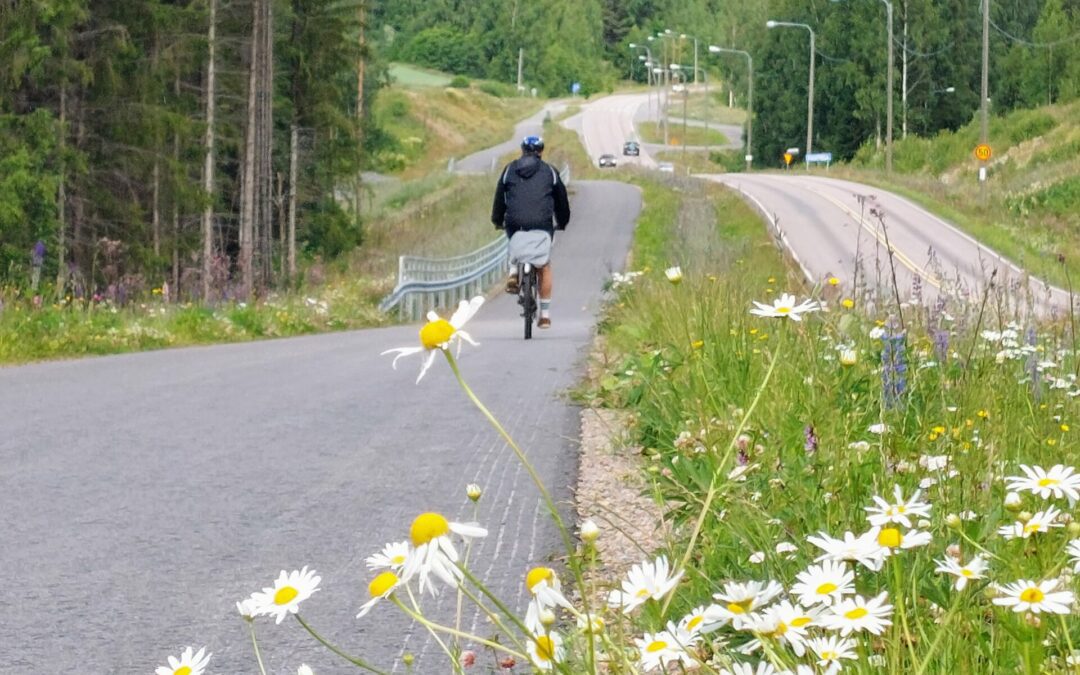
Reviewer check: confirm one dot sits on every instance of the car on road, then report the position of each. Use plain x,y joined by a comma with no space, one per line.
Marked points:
666,167
607,161
631,149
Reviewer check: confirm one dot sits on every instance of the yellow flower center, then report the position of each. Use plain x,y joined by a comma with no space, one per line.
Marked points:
740,607
783,310
890,537
694,622
833,281
966,573
381,584
182,670
642,592
781,628
827,655
285,595
545,648
801,621
397,560
656,646
538,574
826,588
428,526
1032,595
436,333
857,613
1047,482
848,303
1031,528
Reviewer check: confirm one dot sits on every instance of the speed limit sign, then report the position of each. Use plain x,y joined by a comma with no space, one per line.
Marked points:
983,152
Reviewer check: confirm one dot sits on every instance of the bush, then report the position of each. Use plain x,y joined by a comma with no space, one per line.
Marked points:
459,82
332,231
445,49
496,89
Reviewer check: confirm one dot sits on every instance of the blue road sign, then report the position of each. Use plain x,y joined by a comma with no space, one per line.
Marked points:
575,88
819,157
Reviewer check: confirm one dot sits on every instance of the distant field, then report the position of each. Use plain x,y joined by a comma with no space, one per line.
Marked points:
408,75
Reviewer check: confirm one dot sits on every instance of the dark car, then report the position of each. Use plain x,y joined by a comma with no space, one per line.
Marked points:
631,149
607,161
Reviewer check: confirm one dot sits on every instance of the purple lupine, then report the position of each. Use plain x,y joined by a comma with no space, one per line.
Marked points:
893,366
941,344
37,254
811,440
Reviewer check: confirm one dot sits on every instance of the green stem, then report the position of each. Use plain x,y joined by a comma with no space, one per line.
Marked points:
498,603
940,637
255,646
899,600
1068,640
711,493
495,618
454,660
431,625
568,542
356,661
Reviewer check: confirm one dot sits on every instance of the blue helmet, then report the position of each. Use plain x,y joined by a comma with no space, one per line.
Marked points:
532,144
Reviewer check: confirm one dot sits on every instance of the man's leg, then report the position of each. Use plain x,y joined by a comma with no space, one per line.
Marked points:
545,275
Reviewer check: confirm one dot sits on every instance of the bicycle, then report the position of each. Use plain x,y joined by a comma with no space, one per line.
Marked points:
528,296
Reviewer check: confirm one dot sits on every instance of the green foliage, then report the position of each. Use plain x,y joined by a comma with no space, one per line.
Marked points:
459,82
331,230
447,49
28,184
1059,199
496,89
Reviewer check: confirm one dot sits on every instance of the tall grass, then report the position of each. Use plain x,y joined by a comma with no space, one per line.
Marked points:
969,404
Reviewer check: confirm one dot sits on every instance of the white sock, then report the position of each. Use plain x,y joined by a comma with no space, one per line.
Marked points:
545,309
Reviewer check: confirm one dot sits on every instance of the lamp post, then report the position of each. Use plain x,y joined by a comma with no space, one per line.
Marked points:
810,98
749,99
691,37
680,74
705,80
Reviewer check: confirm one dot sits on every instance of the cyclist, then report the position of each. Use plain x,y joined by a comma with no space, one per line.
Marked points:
529,195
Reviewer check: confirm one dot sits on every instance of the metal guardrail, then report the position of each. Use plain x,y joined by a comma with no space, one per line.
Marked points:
426,284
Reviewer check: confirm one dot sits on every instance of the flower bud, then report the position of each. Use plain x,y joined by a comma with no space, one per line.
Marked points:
924,523
407,658
673,274
468,658
1012,501
953,521
473,492
507,663
1024,516
589,531
547,617
849,357
953,551
1073,529
1032,620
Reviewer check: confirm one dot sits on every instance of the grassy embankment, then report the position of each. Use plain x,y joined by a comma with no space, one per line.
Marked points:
652,132
420,210
1032,208
760,432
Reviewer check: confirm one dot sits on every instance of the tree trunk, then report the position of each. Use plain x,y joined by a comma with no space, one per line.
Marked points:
61,199
247,197
279,201
294,152
176,204
208,165
903,133
155,207
265,222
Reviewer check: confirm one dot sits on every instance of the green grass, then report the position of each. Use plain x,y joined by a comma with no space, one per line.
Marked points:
408,75
717,109
1031,213
711,387
652,132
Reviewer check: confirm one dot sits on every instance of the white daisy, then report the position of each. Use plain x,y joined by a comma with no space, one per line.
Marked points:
393,557
380,587
434,554
648,580
825,583
673,274
830,650
1073,549
703,620
899,510
1060,481
438,333
739,602
891,538
863,549
785,307
659,650
288,591
877,428
246,608
1029,596
963,573
1041,522
546,591
304,669
545,650
187,664
786,623
857,614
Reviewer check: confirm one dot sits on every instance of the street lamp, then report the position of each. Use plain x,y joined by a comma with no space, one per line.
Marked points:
705,112
749,99
684,36
678,72
946,90
810,98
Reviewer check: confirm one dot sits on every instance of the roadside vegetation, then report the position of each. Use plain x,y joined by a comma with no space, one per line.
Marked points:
927,435
653,132
1032,209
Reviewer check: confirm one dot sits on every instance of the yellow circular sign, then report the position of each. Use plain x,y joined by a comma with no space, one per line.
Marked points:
983,152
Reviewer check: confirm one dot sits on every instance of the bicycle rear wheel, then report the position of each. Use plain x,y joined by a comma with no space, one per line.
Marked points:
528,296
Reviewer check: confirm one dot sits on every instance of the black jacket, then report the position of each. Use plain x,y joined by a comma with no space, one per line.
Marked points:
529,195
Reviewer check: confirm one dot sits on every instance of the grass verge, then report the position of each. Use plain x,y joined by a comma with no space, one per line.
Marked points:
652,132
761,433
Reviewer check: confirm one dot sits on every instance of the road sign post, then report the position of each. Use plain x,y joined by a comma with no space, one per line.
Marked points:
983,153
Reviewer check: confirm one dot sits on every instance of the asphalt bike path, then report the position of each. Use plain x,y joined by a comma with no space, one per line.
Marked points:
144,494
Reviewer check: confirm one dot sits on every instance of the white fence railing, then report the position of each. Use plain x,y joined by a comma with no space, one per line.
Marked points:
426,284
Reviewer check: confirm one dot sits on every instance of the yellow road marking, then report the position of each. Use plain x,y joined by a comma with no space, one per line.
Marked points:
869,227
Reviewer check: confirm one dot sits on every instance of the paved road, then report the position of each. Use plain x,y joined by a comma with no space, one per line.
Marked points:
606,123
144,494
487,161
824,224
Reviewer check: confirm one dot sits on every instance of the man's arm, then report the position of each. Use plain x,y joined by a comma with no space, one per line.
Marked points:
498,208
562,204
